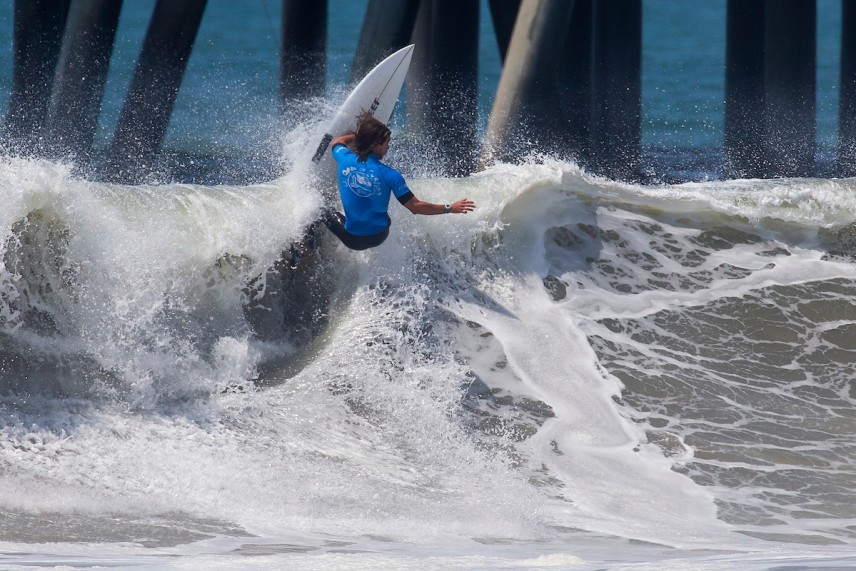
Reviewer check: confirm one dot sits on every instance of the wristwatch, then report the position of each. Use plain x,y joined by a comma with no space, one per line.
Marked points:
447,208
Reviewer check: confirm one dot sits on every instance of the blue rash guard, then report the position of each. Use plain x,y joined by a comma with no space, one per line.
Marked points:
365,189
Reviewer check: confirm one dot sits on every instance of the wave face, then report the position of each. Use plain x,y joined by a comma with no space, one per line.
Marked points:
578,368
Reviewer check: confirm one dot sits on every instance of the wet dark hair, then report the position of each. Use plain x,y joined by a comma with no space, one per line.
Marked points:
370,132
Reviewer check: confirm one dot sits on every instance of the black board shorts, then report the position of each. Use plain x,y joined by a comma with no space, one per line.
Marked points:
335,221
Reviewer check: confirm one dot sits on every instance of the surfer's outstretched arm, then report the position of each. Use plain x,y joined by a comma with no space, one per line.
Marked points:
417,206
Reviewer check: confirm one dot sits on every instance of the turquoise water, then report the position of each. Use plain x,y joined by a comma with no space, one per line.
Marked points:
683,75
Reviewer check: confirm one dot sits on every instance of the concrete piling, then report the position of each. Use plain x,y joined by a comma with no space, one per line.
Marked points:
387,27
770,125
81,73
503,14
442,85
303,61
574,82
36,39
790,72
526,103
570,86
616,116
160,68
846,166
745,101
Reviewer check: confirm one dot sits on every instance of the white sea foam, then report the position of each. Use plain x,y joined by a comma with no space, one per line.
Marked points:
463,400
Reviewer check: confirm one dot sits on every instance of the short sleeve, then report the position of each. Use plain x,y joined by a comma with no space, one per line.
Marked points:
396,183
339,151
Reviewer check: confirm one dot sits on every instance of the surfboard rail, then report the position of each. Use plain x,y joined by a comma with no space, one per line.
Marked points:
377,93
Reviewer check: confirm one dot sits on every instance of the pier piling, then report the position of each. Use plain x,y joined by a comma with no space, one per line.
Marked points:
160,68
846,166
770,70
81,73
36,39
442,86
574,82
790,72
745,102
387,27
616,126
570,84
303,61
525,110
503,15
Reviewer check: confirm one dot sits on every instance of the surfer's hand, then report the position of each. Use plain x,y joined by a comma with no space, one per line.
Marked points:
463,206
345,139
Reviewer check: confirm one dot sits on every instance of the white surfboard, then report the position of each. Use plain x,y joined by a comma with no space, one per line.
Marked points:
377,93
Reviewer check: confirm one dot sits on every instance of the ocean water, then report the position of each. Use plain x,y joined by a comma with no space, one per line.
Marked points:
580,374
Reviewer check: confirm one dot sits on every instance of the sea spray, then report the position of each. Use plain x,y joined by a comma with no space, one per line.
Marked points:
546,372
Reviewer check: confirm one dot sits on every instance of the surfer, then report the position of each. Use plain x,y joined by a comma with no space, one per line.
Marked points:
365,185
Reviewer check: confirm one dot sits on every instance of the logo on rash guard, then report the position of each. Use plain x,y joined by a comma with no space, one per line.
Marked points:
360,182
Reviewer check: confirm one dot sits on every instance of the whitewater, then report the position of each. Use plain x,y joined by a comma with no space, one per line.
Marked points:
580,374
